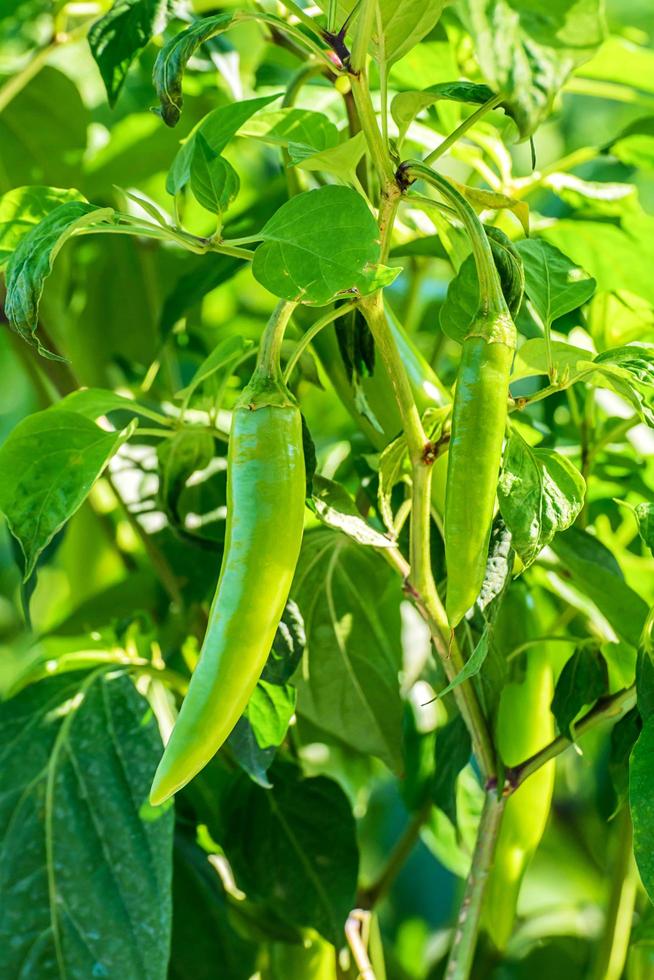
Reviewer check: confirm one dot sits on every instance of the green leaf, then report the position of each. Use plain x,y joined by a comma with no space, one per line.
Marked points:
207,273
189,451
310,839
319,245
174,56
569,363
269,711
472,666
32,261
645,684
349,687
217,129
526,52
224,355
406,105
645,516
48,465
583,680
453,750
630,372
641,802
293,127
95,402
403,25
554,284
340,160
117,38
592,197
623,737
24,207
204,932
594,572
214,182
336,508
43,132
635,144
540,492
78,753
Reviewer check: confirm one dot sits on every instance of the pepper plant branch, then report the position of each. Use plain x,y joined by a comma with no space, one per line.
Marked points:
372,894
614,942
463,128
612,707
312,332
466,929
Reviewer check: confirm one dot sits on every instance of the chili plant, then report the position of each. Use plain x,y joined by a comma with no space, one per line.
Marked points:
328,395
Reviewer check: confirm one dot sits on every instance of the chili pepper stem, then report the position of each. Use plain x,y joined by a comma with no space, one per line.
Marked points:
270,345
464,942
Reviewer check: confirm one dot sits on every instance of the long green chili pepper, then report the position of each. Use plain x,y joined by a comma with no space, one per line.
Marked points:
265,510
478,416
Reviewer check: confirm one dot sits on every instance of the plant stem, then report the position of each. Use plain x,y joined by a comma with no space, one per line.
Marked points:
467,124
270,347
466,929
313,330
614,943
612,707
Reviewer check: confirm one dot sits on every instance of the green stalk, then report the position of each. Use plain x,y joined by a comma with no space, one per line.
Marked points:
270,347
467,124
466,929
312,332
614,943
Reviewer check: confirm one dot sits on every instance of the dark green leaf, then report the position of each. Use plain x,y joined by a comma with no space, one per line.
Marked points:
189,451
472,666
303,256
526,52
593,570
77,755
641,802
645,684
308,867
31,263
623,738
203,934
645,515
249,755
453,750
406,105
47,467
540,492
583,680
288,646
554,284
349,687
214,182
117,38
210,272
224,356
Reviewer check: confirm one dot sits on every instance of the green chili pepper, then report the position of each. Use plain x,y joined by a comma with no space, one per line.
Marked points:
478,423
265,510
524,725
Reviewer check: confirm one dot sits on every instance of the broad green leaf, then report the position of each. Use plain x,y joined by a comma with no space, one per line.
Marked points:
189,451
624,61
48,464
406,105
645,516
619,257
453,750
248,754
292,127
337,510
635,144
24,207
554,284
641,803
217,129
348,686
526,52
310,837
224,355
214,182
540,492
31,263
483,199
340,160
569,363
204,933
43,132
594,572
472,666
78,753
403,25
321,244
592,196
583,680
117,38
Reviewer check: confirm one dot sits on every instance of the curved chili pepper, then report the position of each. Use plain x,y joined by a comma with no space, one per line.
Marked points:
265,510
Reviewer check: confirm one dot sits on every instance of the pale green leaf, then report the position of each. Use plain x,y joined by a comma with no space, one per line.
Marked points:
24,207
